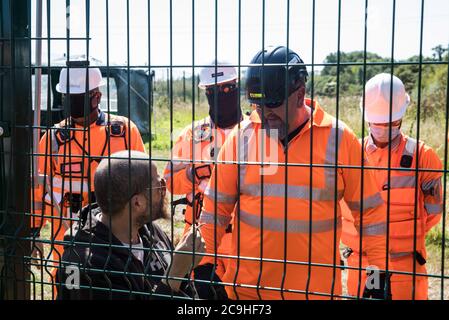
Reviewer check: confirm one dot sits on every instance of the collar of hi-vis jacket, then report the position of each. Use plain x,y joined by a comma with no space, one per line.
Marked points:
371,147
208,120
319,117
101,120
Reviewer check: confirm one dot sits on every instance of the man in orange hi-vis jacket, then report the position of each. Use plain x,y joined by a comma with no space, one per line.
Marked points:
187,174
414,198
287,219
71,151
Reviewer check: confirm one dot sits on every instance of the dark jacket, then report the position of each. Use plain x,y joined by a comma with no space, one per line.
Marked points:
107,268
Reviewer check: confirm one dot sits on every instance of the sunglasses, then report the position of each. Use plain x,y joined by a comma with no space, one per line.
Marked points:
225,88
274,105
277,104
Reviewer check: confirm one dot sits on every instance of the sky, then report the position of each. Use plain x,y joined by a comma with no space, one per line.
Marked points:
184,38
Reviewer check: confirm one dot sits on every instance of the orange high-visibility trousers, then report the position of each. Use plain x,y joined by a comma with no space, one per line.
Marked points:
401,284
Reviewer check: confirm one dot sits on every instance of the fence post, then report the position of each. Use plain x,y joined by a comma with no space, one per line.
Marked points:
168,84
15,118
198,89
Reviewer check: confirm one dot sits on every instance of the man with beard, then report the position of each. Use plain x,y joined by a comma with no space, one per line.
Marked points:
197,147
285,204
117,251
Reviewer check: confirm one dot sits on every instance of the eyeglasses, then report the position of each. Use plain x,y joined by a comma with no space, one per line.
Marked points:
225,88
162,186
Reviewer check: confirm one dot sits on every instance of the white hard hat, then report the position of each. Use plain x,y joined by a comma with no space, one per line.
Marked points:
77,79
377,99
210,76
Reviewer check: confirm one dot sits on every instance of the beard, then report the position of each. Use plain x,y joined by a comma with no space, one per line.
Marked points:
275,123
159,211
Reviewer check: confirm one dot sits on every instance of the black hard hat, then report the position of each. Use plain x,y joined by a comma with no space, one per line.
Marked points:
272,76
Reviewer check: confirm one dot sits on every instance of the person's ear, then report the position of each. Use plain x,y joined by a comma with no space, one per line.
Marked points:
138,203
163,188
300,96
302,91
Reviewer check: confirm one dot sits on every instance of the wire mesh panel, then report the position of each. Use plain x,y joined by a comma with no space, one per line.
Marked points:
204,150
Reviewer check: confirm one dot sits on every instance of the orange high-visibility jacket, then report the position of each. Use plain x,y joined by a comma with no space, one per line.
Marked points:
193,146
65,159
312,195
406,153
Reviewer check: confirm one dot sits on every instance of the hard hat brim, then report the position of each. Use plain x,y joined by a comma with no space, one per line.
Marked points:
76,90
203,85
385,118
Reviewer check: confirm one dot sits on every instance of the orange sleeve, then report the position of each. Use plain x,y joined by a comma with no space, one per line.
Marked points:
431,186
220,198
177,172
136,138
370,214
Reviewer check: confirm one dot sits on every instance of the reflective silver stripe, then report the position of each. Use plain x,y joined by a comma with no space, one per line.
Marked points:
397,182
177,166
189,175
220,197
293,192
209,217
433,208
410,147
368,203
428,185
75,185
167,176
243,143
302,192
37,205
375,229
54,141
399,254
293,226
56,197
335,135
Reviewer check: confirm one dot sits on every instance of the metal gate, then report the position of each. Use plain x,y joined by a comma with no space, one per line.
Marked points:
154,86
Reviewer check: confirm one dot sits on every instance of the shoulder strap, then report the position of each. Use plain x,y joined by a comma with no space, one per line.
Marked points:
115,127
408,153
61,133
